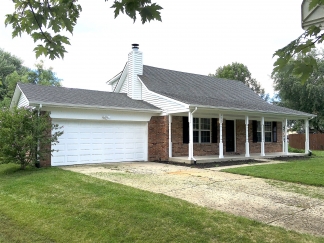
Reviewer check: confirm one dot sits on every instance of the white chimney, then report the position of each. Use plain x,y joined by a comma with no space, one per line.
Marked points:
135,67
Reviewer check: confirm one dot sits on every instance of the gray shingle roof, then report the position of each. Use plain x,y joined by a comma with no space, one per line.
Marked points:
194,89
81,97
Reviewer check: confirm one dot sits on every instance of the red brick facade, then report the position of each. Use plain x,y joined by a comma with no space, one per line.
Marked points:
45,157
256,147
158,140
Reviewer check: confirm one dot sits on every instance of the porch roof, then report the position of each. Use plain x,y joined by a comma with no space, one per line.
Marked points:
206,91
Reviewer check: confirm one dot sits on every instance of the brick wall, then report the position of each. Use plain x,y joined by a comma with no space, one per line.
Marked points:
316,141
181,149
256,147
158,138
45,154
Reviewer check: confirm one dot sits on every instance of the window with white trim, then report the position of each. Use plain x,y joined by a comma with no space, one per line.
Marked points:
201,130
267,131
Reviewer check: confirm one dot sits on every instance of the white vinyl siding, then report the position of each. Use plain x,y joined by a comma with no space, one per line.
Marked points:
124,87
114,85
22,101
129,77
135,67
137,90
161,102
86,142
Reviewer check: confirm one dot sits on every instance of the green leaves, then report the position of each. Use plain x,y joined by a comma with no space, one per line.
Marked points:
41,18
147,10
151,12
302,46
314,3
301,93
240,72
21,132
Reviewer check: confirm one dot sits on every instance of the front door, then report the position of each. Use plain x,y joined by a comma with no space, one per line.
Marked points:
230,138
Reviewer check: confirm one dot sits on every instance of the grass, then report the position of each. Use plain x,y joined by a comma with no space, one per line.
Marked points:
305,190
53,205
307,171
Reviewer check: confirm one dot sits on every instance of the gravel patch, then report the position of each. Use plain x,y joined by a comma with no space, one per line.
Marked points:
254,198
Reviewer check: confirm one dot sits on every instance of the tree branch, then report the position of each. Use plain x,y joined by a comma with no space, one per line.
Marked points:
39,26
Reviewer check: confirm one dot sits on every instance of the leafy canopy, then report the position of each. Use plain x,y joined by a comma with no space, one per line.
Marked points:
45,20
303,66
240,72
305,96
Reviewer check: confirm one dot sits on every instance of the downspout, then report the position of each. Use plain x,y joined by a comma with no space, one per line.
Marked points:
191,118
38,147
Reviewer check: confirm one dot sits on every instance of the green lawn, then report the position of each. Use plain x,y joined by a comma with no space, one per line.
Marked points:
53,205
309,171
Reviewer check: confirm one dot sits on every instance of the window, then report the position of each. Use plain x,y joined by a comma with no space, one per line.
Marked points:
201,130
267,131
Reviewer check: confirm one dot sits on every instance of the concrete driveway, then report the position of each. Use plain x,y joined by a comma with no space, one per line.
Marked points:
254,198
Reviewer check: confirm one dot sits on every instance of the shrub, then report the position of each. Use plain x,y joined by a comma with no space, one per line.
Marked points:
22,131
295,150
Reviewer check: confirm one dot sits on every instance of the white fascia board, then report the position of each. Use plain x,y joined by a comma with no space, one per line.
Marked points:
253,112
165,97
119,78
99,115
15,97
114,79
122,79
63,105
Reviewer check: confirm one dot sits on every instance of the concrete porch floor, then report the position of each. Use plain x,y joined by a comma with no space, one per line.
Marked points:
231,157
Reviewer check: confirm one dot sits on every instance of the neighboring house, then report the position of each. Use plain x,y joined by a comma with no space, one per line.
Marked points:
154,114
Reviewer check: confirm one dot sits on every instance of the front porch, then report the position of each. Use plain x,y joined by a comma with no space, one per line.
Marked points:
231,157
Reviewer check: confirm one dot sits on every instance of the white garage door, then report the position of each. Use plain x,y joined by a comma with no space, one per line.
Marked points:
96,142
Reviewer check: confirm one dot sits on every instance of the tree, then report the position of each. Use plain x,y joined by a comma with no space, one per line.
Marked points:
22,132
240,72
12,71
303,66
8,65
43,20
43,76
307,96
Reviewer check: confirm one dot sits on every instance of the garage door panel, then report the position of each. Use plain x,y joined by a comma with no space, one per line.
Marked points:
96,142
85,157
72,158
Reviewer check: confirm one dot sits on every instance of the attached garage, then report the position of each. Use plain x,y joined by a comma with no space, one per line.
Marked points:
97,126
86,142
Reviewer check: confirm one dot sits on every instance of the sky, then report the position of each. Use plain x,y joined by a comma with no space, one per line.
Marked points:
194,36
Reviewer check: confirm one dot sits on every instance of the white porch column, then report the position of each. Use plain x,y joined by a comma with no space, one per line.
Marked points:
170,136
190,120
283,136
262,137
306,136
247,145
221,152
286,134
